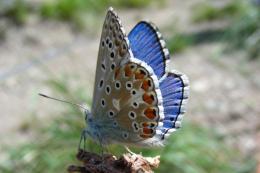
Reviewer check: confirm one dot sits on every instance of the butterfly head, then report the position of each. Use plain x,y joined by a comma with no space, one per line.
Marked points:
88,116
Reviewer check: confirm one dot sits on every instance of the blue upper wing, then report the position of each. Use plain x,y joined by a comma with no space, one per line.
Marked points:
174,89
147,45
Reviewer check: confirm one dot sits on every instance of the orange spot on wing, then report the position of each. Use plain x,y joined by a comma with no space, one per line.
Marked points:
145,124
128,71
117,42
148,98
147,131
149,124
150,113
114,34
117,72
140,74
146,85
122,52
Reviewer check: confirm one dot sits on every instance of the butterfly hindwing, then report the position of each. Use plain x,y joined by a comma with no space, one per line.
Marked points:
132,105
175,91
139,112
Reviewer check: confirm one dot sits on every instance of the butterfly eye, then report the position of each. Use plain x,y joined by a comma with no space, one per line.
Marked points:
117,85
129,85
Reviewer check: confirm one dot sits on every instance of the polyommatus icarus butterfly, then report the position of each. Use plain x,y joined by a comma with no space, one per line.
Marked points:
137,100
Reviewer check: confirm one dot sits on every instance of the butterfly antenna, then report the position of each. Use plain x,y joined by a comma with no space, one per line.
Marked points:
64,101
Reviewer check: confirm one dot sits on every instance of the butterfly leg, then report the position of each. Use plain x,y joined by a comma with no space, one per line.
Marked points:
102,146
82,139
102,151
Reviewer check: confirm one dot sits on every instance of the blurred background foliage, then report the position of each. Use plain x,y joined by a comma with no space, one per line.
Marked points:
65,10
194,149
242,31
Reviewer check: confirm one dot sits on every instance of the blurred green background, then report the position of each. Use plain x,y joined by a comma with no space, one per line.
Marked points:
51,46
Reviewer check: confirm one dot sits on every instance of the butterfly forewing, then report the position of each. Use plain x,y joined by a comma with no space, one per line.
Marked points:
125,100
113,51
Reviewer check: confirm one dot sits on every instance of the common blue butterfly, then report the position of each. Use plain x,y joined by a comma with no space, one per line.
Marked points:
137,100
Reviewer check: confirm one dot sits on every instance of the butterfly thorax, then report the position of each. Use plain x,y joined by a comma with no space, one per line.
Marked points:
95,129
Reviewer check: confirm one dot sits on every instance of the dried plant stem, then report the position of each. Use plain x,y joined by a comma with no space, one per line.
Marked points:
128,163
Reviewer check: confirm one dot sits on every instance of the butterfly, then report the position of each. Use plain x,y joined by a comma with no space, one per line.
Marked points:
136,100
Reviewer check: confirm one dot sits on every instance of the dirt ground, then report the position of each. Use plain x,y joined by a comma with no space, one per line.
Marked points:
224,88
